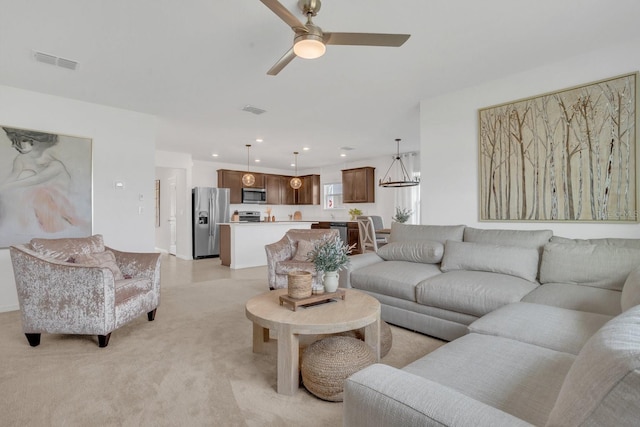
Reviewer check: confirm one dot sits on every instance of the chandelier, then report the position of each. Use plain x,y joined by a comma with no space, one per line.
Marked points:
405,180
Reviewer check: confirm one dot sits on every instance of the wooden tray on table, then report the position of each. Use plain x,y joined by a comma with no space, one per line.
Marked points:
312,300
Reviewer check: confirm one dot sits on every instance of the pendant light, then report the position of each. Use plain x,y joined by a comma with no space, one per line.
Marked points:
248,179
405,180
295,182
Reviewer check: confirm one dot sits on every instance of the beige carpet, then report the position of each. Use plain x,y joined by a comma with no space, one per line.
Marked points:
192,366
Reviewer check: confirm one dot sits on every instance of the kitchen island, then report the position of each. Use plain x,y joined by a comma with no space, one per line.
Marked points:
242,243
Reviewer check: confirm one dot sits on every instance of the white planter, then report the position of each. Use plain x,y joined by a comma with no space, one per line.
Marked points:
330,281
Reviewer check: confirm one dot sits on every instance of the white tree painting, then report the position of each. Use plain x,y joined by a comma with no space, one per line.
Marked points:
563,156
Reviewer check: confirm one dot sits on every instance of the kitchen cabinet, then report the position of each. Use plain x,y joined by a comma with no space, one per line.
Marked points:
358,185
279,192
233,181
309,193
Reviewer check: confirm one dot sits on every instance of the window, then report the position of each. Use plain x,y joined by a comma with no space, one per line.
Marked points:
333,196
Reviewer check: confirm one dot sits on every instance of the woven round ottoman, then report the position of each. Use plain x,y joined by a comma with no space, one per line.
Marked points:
386,337
330,361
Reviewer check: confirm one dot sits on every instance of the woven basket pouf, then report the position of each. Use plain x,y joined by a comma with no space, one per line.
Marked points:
330,361
386,337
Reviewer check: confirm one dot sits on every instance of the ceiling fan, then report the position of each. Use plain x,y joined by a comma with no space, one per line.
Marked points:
310,41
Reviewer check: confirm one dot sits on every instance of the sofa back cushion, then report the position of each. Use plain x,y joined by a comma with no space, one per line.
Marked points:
631,290
524,238
424,251
611,241
512,260
603,266
437,233
65,248
602,386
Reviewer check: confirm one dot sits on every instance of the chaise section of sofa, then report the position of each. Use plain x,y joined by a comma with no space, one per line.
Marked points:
493,380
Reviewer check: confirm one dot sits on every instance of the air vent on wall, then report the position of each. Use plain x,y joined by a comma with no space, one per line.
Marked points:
254,110
54,60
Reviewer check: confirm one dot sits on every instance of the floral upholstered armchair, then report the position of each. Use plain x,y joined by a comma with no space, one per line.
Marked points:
290,254
80,286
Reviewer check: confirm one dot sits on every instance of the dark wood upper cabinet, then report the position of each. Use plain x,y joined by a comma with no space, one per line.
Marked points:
358,185
279,192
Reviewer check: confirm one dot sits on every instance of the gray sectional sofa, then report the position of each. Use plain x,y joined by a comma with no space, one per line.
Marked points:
543,330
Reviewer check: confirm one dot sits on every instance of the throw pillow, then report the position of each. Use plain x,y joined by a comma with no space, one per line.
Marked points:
101,259
422,251
302,250
511,260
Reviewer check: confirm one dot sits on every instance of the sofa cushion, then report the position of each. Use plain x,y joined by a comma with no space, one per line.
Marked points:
129,288
631,290
518,378
424,251
535,239
602,266
610,241
100,259
603,385
576,297
438,233
542,325
512,260
472,292
65,248
394,278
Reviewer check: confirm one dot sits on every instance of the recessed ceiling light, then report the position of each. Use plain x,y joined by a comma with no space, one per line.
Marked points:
214,155
306,148
343,155
259,139
257,160
293,165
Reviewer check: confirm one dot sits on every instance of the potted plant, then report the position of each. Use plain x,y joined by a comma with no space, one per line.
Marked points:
354,212
402,215
330,255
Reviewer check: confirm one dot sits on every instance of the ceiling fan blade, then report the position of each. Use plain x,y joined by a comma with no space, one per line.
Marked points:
366,39
282,62
284,14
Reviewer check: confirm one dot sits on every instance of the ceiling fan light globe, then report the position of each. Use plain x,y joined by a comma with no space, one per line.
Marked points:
248,179
309,46
295,183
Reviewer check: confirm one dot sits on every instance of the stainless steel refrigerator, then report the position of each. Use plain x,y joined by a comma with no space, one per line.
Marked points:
210,207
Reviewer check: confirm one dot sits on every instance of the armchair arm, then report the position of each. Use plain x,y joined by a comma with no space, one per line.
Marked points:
278,251
61,297
384,396
139,264
356,262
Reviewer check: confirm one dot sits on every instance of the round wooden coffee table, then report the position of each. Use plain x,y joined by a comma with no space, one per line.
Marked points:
356,310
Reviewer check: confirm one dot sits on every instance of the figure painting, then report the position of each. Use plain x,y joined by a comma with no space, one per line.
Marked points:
563,156
45,186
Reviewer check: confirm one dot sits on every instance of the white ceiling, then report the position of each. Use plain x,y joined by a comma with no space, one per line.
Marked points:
196,63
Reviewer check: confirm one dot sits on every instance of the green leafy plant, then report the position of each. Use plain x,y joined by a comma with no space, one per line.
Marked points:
330,254
402,215
354,212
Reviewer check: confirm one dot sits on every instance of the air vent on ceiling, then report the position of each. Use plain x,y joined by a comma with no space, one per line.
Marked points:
54,60
254,110
346,148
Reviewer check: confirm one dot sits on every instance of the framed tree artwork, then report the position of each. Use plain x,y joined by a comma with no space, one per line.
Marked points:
45,185
563,156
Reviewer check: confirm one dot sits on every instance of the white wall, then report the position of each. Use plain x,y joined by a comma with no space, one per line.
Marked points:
449,140
123,150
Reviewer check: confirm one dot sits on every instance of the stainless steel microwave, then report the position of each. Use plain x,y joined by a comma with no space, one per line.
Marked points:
254,195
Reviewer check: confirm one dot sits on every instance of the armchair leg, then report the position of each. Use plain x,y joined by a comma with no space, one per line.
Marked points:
151,315
103,340
34,339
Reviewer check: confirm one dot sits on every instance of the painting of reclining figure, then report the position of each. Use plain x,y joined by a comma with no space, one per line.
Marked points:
563,156
45,185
